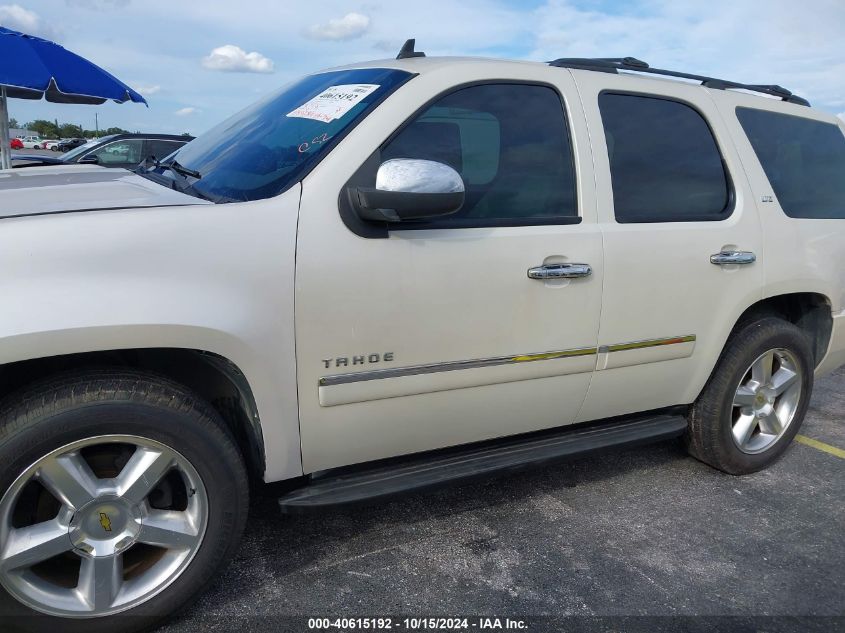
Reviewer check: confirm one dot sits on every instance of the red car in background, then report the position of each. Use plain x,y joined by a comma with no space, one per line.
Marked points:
16,143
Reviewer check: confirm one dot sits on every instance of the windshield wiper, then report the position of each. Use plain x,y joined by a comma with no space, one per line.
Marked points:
180,183
151,162
180,169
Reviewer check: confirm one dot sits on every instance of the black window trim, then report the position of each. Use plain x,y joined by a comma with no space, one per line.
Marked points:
730,205
382,229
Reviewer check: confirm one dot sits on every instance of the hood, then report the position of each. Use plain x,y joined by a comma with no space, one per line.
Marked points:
81,188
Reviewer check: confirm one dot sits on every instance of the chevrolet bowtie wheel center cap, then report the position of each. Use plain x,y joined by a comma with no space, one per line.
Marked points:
106,526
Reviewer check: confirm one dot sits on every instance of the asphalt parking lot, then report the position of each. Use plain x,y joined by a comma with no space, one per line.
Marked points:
643,532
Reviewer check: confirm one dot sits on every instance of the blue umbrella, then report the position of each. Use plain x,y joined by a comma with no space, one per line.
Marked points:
32,68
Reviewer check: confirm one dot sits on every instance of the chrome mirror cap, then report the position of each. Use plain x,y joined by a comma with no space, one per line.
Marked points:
409,189
414,175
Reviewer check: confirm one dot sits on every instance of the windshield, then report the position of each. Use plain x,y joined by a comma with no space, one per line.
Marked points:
69,156
264,149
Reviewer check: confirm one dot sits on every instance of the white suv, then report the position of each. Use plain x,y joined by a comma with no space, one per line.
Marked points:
390,275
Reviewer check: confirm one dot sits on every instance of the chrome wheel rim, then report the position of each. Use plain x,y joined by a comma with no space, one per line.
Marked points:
99,526
766,400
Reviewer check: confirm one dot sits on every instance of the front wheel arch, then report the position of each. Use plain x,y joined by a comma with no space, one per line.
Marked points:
117,407
215,378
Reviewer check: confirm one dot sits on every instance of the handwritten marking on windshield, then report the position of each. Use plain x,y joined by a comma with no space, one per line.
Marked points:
305,146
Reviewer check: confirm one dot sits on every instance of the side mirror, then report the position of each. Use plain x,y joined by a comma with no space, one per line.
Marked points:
90,159
410,189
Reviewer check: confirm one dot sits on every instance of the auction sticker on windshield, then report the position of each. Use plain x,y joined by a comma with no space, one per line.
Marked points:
333,102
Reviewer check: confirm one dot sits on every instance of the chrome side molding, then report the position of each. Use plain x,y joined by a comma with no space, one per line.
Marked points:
655,342
431,368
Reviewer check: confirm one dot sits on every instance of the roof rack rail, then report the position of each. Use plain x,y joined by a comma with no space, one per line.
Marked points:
615,64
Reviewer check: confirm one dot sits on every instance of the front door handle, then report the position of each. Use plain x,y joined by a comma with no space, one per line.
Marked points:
560,271
733,257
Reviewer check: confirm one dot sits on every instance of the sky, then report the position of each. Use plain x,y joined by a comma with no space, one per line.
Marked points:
199,61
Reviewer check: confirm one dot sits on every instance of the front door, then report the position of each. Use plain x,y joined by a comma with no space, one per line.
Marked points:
433,334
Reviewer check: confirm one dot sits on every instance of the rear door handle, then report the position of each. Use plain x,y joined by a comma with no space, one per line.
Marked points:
733,257
560,271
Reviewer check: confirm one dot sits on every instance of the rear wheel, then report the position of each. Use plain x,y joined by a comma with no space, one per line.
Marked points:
125,493
756,399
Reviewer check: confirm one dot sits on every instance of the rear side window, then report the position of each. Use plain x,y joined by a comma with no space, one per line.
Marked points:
664,162
804,161
511,145
161,148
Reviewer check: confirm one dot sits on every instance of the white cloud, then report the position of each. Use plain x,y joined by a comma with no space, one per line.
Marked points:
231,58
146,89
15,17
187,111
348,27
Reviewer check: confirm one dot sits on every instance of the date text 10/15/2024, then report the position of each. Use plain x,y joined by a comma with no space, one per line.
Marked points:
418,624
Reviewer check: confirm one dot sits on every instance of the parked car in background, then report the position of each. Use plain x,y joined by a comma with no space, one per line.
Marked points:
116,150
16,143
69,144
31,142
53,144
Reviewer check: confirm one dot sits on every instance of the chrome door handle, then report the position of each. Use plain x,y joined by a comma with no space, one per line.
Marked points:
733,257
560,271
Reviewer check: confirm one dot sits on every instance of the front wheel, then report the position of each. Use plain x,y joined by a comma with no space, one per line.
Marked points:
756,399
124,493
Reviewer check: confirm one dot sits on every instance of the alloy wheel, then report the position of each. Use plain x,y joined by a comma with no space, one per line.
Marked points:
766,400
100,525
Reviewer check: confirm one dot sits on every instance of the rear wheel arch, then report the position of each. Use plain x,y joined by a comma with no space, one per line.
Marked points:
215,378
809,311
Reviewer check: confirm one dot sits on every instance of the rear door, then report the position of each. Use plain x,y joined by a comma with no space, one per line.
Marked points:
683,244
433,335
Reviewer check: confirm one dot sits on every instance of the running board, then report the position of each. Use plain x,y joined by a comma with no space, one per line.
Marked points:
417,472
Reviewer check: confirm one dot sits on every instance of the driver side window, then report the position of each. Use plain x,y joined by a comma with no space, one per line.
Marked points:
509,142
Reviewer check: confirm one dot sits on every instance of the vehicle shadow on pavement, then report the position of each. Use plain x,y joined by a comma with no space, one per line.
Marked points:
307,543
644,531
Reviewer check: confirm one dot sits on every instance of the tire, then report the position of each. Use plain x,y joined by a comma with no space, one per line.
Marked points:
131,426
741,424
